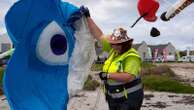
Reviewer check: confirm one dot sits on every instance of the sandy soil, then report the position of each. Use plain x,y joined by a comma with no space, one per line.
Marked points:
152,101
3,103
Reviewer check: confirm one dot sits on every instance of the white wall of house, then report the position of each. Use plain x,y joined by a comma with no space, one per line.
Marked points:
171,49
143,51
5,43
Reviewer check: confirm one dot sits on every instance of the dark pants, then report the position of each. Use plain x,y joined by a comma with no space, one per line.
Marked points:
133,102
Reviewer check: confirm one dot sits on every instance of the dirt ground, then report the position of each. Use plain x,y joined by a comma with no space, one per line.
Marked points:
185,72
152,100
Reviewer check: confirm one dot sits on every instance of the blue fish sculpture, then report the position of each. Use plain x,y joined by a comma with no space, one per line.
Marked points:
37,74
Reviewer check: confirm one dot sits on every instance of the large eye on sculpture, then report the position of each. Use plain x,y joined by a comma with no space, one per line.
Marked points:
52,45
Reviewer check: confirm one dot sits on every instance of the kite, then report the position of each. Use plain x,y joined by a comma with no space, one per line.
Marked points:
147,9
175,9
51,58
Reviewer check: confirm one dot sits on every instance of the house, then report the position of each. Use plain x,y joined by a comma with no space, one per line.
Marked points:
143,50
185,53
162,50
192,52
147,52
5,43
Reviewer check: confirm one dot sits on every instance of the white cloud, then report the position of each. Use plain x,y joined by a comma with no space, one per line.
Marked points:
4,6
109,14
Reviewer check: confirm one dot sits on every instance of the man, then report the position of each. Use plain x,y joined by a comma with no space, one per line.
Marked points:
121,70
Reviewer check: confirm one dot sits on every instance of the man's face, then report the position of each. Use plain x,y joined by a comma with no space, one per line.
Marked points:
117,47
122,47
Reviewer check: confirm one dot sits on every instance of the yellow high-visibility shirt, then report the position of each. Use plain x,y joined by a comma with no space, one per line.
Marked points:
130,64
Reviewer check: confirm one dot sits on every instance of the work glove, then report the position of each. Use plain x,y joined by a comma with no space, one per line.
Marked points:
154,32
103,75
85,11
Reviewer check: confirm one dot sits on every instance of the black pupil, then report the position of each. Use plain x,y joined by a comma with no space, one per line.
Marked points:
58,44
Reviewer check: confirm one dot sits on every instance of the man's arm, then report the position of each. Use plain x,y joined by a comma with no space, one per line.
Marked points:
122,76
94,29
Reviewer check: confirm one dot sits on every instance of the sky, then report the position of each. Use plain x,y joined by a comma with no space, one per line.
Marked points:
111,14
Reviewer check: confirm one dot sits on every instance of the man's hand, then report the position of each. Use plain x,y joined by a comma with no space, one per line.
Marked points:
103,75
85,11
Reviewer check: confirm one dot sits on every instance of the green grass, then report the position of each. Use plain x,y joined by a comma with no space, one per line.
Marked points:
1,79
162,78
1,75
91,84
97,67
150,69
148,65
166,84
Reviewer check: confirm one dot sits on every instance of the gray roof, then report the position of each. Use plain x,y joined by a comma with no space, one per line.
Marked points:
136,46
158,46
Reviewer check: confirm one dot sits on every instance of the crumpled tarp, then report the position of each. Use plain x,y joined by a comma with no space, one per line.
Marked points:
82,57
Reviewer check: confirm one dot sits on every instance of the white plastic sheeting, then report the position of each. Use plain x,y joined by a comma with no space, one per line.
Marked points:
82,57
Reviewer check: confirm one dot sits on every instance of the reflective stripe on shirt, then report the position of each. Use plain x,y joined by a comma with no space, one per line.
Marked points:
129,90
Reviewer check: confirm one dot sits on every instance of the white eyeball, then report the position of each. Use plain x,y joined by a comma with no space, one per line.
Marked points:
52,46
